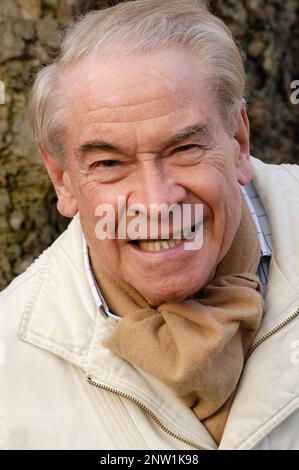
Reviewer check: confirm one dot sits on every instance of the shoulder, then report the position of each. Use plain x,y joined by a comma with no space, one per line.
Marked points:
53,263
16,295
285,170
14,298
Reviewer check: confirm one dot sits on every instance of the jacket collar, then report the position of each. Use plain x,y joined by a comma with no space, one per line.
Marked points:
61,317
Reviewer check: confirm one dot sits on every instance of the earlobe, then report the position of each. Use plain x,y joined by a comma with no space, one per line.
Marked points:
66,204
244,172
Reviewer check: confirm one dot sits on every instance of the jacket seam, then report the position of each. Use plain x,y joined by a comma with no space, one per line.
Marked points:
92,399
54,348
90,393
27,312
12,287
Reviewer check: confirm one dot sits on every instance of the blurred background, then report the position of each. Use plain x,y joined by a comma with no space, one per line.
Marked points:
30,32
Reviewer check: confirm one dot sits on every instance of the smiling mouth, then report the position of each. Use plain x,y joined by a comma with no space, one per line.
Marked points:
166,244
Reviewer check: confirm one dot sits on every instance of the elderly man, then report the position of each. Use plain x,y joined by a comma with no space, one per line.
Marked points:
143,341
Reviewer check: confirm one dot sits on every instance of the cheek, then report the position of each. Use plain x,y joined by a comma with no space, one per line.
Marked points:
208,187
220,193
91,194
87,205
216,182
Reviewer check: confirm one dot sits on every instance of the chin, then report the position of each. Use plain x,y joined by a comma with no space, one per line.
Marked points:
155,299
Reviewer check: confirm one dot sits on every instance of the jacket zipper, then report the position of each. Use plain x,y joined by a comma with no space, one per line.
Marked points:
146,409
155,418
272,331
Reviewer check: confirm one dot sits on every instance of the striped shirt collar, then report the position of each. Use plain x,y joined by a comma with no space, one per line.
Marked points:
260,218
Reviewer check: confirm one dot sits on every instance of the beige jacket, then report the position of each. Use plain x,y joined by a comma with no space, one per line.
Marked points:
51,342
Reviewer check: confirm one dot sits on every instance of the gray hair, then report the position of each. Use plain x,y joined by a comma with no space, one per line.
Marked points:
133,27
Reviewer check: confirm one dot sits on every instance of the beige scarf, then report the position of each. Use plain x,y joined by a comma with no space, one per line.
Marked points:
197,346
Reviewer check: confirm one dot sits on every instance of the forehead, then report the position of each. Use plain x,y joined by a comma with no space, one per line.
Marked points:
141,90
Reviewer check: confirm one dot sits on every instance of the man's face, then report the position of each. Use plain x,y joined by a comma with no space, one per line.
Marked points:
138,106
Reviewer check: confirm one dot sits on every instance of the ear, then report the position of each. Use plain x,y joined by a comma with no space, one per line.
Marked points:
66,204
242,134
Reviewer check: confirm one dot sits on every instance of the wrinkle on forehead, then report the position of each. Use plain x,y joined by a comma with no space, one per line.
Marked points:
142,95
113,83
144,104
88,113
129,114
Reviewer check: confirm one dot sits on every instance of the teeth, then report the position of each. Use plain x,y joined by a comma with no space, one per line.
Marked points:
158,245
165,244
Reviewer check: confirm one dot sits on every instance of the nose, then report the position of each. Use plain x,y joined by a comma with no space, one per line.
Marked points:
154,187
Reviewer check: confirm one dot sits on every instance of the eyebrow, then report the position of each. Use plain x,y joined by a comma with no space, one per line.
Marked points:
96,144
193,131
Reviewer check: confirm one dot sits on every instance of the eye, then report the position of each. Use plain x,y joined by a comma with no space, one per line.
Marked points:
106,163
185,148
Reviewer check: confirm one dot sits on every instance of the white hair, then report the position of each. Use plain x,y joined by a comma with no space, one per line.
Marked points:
133,27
